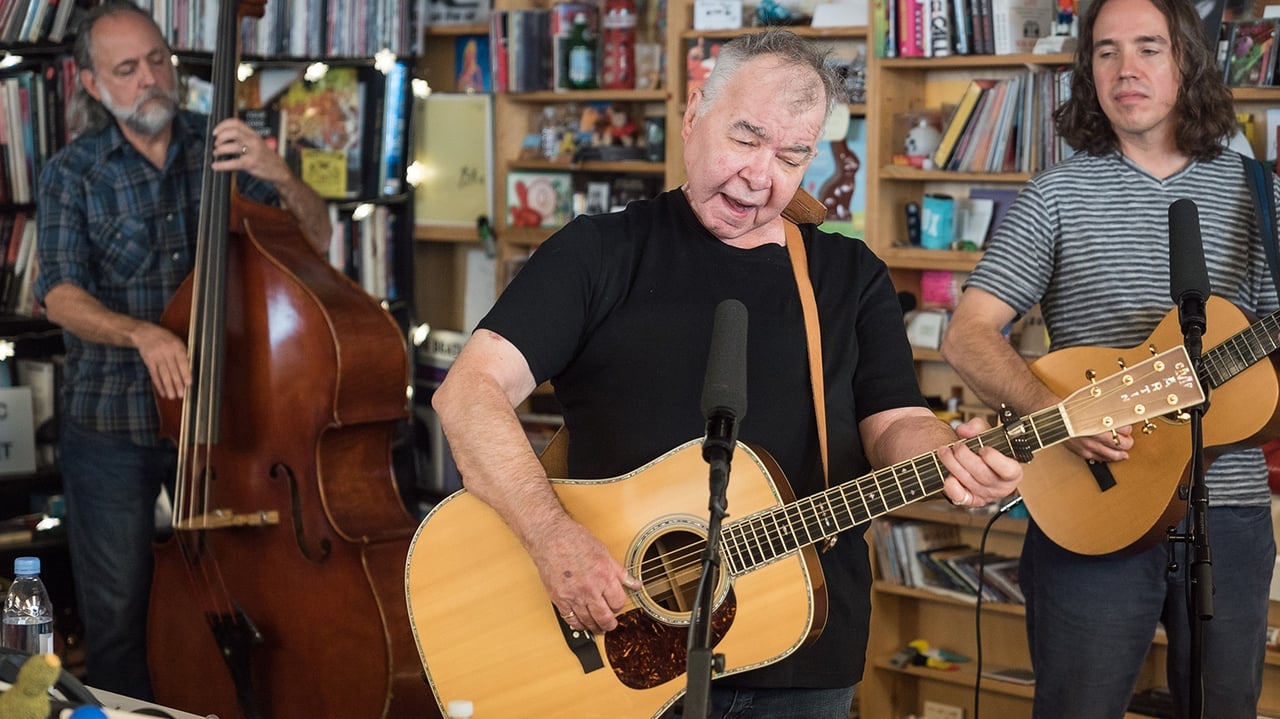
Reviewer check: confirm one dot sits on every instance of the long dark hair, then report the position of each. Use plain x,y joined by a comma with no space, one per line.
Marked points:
1205,108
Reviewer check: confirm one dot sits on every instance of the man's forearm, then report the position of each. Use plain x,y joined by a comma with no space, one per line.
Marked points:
309,209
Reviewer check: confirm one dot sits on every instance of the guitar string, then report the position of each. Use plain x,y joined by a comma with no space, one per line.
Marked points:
775,530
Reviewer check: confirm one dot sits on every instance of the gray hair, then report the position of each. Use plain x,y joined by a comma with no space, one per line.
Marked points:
787,46
84,113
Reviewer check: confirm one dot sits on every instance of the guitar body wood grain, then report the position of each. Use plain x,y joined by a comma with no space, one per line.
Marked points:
1061,492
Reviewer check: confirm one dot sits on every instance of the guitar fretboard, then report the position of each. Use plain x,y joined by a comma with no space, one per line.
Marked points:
1241,351
766,536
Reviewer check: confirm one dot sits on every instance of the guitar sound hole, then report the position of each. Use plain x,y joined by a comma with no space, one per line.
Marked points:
670,568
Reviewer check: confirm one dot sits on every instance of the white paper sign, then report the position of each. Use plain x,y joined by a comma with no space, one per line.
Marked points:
17,431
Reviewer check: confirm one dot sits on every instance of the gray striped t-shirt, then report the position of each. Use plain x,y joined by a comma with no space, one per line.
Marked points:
1089,240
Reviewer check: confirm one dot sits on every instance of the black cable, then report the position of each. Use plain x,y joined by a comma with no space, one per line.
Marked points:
977,610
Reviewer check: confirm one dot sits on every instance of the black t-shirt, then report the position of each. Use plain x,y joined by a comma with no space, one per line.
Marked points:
617,310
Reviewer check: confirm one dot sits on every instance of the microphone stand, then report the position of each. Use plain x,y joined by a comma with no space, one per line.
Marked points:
1200,569
717,450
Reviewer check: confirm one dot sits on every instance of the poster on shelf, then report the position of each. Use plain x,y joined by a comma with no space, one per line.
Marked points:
453,149
838,179
17,431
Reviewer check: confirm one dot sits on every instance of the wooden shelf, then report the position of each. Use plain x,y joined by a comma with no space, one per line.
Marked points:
478,28
902,173
630,167
850,31
964,61
926,595
964,675
1256,94
445,233
553,96
919,258
940,511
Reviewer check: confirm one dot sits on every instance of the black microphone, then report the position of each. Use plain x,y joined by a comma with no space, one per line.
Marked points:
724,389
1188,278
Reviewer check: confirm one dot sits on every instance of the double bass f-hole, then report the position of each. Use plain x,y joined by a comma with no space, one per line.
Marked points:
295,503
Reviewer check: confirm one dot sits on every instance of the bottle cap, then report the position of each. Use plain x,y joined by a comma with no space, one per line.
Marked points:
26,565
460,708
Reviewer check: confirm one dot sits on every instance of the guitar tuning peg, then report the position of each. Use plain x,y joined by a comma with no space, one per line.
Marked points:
1115,438
1152,350
1120,361
1091,375
1148,427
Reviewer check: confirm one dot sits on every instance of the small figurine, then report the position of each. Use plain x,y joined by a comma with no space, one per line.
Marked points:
921,142
28,698
615,128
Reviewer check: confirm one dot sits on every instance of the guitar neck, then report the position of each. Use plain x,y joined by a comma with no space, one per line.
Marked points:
1241,351
760,538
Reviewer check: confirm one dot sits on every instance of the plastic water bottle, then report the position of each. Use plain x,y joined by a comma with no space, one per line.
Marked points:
28,613
459,709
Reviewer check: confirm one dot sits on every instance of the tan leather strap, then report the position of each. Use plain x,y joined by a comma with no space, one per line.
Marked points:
805,209
812,332
800,263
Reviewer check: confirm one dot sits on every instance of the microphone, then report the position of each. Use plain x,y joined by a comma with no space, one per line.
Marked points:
1188,278
724,389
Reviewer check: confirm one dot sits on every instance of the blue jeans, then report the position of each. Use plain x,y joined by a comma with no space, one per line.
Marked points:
111,487
729,703
1091,620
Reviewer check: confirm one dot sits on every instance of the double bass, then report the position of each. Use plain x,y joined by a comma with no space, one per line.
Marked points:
279,592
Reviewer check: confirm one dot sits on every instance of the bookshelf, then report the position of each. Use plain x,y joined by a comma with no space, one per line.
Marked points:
901,614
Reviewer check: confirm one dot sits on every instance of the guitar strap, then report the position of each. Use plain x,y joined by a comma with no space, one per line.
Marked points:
804,208
1264,202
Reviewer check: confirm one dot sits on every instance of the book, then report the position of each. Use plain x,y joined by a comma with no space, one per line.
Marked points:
911,28
1001,198
941,30
324,126
471,64
972,221
913,537
453,148
539,198
1013,675
959,120
266,122
395,125
1002,574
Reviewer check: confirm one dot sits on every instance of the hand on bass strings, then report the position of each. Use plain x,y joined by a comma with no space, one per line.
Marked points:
236,146
166,358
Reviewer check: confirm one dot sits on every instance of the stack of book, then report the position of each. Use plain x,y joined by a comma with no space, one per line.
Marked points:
930,555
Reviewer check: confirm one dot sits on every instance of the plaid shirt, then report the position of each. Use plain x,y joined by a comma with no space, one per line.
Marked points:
112,224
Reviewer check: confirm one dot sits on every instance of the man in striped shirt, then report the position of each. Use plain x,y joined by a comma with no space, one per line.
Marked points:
1088,241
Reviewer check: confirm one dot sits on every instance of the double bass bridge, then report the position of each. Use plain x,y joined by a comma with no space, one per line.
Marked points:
228,519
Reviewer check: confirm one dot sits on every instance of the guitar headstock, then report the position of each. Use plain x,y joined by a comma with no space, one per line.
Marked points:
1157,386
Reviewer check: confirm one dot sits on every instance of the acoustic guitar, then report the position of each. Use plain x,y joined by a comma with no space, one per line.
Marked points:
1103,507
488,633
